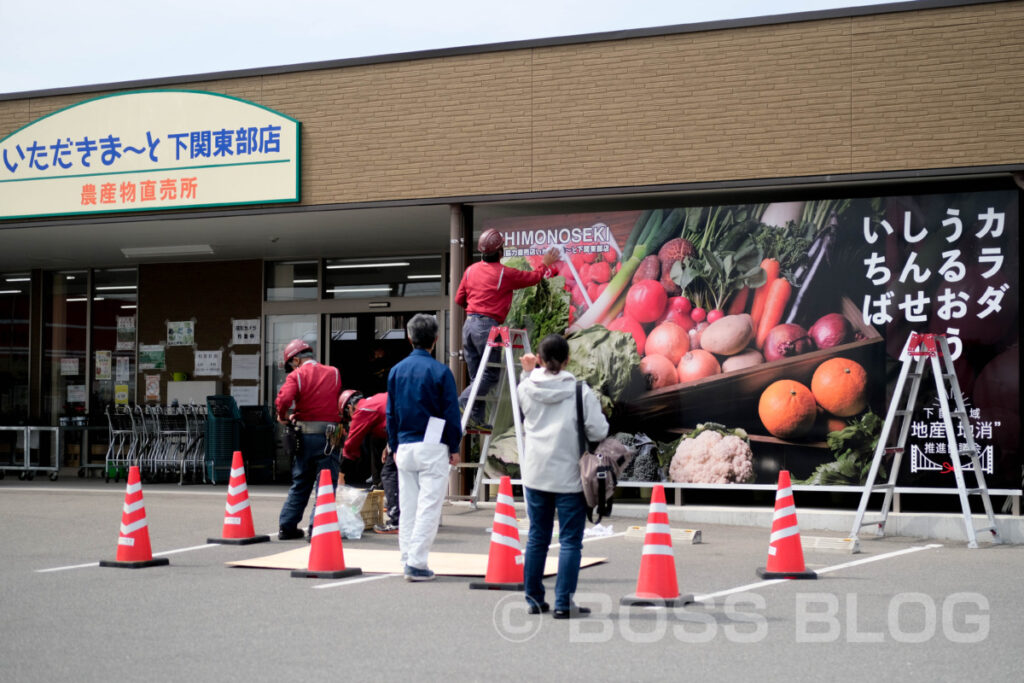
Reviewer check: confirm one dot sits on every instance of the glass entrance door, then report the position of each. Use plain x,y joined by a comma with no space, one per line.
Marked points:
365,346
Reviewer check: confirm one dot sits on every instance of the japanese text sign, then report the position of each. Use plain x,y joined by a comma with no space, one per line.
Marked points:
147,151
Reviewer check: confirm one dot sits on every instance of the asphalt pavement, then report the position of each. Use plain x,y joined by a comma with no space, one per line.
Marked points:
904,608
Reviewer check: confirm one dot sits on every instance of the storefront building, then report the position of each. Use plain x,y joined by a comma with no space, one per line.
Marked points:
221,215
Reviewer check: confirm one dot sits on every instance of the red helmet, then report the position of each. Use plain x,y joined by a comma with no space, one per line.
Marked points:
490,241
346,396
294,348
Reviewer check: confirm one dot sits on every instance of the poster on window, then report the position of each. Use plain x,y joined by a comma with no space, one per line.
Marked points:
181,333
245,366
208,363
153,388
125,333
773,332
245,395
104,364
122,369
245,331
76,393
68,367
152,357
121,394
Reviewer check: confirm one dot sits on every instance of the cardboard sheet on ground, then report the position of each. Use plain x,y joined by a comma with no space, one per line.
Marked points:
387,561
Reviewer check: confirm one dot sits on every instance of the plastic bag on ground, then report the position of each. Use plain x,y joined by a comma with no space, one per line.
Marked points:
349,501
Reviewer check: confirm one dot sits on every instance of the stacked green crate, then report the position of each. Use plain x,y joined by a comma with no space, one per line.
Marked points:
223,428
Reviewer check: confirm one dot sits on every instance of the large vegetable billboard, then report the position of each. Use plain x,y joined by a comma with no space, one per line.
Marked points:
728,342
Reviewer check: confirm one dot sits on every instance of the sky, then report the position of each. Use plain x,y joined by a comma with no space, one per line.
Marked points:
63,43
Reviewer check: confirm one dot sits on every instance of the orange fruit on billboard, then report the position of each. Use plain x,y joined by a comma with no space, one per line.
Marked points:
787,409
840,386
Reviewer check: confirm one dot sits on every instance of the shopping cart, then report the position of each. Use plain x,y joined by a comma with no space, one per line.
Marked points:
119,451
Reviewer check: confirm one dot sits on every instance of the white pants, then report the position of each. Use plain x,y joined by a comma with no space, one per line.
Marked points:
422,481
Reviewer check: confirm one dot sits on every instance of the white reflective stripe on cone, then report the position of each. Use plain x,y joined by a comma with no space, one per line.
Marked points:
659,507
133,507
658,528
235,490
507,500
232,509
324,490
133,527
784,493
784,533
504,540
658,550
324,508
324,528
135,488
237,472
505,519
785,512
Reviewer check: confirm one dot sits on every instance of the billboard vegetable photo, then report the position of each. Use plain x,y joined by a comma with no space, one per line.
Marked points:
749,338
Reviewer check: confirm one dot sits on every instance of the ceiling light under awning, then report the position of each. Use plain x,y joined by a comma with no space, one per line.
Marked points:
172,250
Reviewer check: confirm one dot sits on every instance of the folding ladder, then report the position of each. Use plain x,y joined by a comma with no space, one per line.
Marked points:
510,345
922,349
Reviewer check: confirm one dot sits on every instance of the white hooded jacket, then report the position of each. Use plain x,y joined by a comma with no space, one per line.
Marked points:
552,459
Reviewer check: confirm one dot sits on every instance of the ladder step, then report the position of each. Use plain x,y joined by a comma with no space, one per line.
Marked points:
468,465
904,413
878,487
893,450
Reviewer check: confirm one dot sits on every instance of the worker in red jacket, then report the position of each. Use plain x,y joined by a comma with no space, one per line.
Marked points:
365,423
486,293
313,390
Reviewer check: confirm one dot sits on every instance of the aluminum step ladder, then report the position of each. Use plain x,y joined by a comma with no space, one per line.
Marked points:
508,345
922,350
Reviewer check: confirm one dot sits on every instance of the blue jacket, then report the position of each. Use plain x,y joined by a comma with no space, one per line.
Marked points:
419,387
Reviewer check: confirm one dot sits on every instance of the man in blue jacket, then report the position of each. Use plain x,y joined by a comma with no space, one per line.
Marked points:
424,432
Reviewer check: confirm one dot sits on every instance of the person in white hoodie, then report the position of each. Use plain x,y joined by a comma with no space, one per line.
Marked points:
551,471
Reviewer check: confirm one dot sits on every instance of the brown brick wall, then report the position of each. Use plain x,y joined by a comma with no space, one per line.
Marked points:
933,88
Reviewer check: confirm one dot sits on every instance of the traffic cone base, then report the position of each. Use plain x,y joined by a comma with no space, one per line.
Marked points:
260,538
338,574
505,560
805,574
155,562
653,601
326,554
238,528
477,585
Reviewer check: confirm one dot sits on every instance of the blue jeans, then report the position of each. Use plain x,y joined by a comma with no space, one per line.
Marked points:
474,341
305,477
572,518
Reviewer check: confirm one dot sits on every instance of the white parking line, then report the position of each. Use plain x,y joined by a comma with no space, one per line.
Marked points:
96,564
823,570
349,582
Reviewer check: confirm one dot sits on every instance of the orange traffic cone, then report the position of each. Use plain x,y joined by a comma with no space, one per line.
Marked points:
656,585
326,556
133,549
505,561
785,552
238,529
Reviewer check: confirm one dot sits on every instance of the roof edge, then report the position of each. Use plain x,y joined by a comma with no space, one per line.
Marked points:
625,34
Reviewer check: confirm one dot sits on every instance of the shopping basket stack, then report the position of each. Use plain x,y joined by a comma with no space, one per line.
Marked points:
223,428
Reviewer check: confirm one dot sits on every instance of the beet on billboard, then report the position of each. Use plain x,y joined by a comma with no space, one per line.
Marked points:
728,342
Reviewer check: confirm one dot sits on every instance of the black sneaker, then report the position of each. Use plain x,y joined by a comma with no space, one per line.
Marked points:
387,528
290,534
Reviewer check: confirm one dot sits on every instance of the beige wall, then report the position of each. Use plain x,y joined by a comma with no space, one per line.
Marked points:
925,89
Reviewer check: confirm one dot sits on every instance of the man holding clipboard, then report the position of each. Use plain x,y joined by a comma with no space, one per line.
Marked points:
424,432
